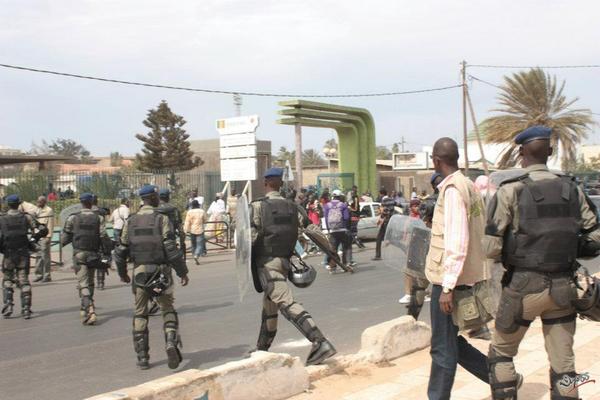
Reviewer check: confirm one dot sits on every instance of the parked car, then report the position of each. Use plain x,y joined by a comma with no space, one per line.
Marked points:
369,214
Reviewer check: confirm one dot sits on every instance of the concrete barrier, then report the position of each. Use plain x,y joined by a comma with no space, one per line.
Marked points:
263,376
393,339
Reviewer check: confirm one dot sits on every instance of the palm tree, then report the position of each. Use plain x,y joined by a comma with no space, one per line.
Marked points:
311,157
530,98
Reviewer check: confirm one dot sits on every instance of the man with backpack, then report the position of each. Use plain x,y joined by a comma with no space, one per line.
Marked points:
337,221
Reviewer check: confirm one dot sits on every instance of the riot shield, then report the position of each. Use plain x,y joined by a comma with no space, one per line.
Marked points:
405,246
243,246
64,214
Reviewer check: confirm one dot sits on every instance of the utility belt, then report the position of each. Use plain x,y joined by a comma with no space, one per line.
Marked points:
523,282
155,279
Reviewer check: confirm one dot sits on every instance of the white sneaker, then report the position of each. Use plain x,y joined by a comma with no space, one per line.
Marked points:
427,298
405,299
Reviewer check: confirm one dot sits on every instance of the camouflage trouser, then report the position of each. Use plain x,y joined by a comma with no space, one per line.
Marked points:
558,326
165,302
278,297
85,281
15,270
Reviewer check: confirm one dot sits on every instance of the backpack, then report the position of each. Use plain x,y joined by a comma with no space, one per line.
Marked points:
335,217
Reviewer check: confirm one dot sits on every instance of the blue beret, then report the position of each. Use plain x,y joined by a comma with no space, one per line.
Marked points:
537,132
434,176
13,198
86,197
274,172
147,189
164,192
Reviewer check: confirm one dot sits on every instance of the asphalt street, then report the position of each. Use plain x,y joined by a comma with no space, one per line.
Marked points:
53,356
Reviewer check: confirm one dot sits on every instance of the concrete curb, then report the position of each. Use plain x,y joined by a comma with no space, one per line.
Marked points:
274,376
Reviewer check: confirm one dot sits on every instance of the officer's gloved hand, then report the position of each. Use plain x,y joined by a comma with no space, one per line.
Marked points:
185,280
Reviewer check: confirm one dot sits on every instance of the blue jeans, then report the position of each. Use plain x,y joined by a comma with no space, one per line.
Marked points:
198,246
117,234
299,249
449,349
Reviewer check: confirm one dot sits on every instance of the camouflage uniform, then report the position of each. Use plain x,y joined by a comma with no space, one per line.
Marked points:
165,300
174,216
278,297
85,263
100,272
15,270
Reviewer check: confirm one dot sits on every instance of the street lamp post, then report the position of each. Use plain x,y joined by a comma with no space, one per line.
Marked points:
330,152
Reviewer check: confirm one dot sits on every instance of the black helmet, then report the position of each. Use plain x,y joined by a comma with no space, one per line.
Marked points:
588,305
302,276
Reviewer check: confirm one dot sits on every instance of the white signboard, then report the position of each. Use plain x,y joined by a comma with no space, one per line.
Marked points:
238,169
238,152
411,160
231,126
238,139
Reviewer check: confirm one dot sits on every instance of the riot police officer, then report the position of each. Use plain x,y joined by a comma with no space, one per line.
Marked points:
275,222
15,245
534,224
100,272
91,248
149,241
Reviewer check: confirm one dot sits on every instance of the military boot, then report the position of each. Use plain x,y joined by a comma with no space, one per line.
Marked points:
88,312
7,310
321,349
141,347
26,305
562,385
173,342
265,336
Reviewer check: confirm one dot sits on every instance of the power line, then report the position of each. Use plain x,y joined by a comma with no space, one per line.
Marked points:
232,92
534,66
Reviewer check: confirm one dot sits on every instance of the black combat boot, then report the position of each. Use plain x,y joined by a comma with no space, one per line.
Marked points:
7,310
321,350
88,312
558,379
172,343
265,337
141,347
26,305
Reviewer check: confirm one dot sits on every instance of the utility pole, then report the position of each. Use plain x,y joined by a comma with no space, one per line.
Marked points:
298,132
463,74
483,159
237,104
402,143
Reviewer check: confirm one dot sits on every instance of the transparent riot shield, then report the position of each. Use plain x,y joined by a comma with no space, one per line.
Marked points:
243,246
64,214
405,245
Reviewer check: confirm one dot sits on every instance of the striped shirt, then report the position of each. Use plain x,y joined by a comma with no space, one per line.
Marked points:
456,234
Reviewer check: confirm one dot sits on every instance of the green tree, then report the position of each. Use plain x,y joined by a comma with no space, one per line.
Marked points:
284,155
62,147
166,145
383,153
311,157
530,98
116,159
395,148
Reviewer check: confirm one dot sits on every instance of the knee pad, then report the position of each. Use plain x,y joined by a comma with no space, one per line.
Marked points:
171,321
503,387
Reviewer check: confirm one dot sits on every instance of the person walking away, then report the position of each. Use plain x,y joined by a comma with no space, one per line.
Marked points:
337,221
87,232
455,261
534,226
387,210
231,210
118,218
45,216
273,240
15,246
216,212
195,219
100,272
149,241
174,215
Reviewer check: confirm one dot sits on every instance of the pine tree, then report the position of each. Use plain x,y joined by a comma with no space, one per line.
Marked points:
166,145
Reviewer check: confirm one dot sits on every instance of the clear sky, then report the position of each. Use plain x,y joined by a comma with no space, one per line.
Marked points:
309,46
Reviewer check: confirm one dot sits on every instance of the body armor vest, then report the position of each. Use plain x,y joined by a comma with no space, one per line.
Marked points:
14,229
169,211
279,219
86,232
547,236
145,239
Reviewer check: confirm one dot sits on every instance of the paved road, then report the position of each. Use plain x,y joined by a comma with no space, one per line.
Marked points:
53,356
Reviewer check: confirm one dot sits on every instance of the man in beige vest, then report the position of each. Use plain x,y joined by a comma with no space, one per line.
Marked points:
45,216
455,262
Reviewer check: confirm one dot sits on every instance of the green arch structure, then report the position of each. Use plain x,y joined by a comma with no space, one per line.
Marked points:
355,131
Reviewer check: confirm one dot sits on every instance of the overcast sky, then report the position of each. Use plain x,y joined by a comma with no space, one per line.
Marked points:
309,46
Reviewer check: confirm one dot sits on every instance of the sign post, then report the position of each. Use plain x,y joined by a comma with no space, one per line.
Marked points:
238,150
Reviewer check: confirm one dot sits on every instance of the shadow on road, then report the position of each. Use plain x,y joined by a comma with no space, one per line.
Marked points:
203,357
190,309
